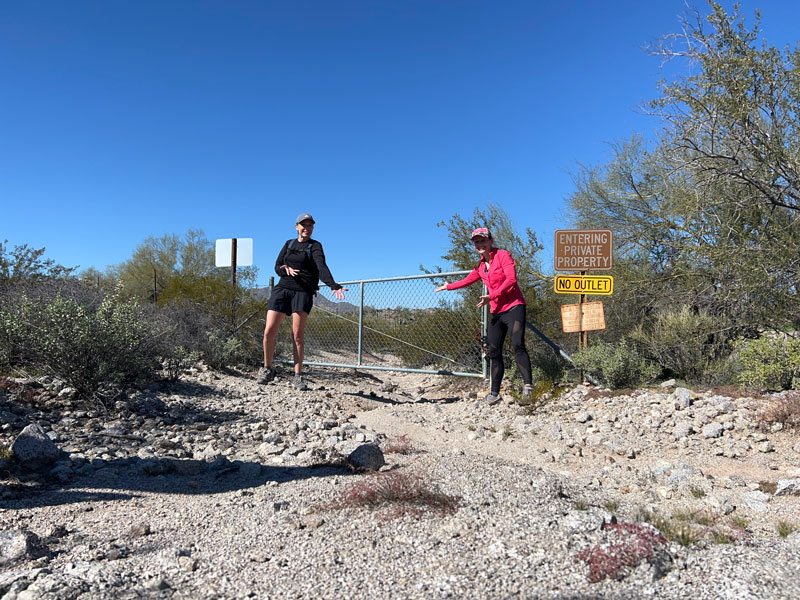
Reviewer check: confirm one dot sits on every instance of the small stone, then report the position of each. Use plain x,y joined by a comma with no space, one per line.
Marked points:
187,563
139,530
18,544
788,487
712,430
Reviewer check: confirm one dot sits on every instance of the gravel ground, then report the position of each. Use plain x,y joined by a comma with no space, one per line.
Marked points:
219,488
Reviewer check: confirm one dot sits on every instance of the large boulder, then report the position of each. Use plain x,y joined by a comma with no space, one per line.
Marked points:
33,450
367,457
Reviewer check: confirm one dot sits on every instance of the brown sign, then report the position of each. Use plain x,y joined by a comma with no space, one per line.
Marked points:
583,250
588,316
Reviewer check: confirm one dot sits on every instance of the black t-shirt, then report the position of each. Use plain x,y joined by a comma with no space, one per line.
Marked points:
312,268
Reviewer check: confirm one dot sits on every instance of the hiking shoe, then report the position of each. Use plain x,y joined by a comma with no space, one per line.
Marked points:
491,398
299,384
265,375
527,390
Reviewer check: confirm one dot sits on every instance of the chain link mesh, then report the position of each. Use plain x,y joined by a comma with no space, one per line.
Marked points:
400,324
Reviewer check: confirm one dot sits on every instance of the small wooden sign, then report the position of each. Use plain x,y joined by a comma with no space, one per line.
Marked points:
601,285
588,316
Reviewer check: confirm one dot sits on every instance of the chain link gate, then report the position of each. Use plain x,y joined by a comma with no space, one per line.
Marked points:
394,324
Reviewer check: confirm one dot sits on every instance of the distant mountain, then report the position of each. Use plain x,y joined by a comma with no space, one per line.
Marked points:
321,300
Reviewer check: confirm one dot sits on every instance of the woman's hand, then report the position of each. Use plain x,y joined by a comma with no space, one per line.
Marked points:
484,301
441,288
339,294
290,271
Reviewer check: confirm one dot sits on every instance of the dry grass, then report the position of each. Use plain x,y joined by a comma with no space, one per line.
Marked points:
396,494
785,528
399,445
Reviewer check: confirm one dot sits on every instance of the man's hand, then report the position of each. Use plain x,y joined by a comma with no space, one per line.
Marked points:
339,294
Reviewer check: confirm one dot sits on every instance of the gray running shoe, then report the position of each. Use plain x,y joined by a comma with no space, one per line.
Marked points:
265,375
491,398
527,390
299,384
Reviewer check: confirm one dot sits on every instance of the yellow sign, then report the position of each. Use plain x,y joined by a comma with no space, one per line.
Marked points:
602,285
588,316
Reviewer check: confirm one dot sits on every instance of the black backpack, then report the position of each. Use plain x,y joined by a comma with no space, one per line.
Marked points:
308,248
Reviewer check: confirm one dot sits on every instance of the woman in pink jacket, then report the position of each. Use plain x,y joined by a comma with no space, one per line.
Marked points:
506,303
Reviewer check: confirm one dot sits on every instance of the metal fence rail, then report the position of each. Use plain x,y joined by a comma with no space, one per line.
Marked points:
394,324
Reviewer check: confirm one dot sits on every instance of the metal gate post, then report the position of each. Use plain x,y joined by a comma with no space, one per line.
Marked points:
360,324
484,335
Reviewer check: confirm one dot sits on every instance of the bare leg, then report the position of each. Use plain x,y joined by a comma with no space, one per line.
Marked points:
298,338
274,319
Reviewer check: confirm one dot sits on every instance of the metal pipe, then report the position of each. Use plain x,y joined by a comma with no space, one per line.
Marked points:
360,324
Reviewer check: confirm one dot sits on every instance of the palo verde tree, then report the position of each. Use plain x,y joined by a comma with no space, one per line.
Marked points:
706,217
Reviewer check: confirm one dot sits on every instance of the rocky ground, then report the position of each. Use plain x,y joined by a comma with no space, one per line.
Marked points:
216,487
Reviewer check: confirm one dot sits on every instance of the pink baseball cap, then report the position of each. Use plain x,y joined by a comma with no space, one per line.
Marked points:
481,232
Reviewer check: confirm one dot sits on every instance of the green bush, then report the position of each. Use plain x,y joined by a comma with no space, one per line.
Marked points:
546,364
769,362
81,344
681,341
616,365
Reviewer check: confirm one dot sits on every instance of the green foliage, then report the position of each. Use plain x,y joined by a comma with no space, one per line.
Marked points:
85,346
681,341
178,361
616,365
769,362
523,248
705,217
23,264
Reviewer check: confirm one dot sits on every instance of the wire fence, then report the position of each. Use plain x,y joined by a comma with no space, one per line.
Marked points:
394,324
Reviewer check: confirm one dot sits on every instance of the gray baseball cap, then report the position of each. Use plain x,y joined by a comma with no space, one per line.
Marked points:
304,217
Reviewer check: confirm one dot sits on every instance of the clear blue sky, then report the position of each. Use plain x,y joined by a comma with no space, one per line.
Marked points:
126,119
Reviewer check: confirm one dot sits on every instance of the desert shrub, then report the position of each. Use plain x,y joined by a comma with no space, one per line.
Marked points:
769,362
616,365
178,361
190,328
82,344
681,341
397,494
627,546
545,364
433,333
784,409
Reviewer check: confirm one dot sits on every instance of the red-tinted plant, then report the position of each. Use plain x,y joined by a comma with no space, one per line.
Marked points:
627,546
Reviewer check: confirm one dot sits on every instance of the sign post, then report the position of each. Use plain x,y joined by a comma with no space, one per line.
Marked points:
583,250
232,252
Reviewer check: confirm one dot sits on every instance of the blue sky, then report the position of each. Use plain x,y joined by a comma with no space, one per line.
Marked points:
126,119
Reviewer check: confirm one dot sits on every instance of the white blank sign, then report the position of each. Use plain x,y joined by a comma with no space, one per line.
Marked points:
244,252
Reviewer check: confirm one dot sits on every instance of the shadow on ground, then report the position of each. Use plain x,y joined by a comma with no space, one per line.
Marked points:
128,478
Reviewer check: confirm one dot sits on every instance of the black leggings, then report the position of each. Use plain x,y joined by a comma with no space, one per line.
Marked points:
499,324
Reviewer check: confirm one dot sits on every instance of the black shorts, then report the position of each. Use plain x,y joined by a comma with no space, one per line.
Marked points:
290,301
